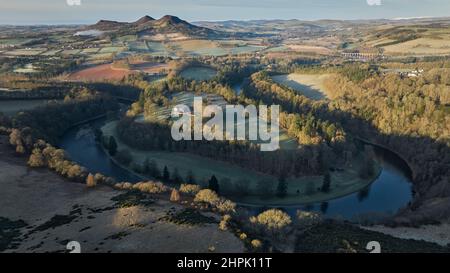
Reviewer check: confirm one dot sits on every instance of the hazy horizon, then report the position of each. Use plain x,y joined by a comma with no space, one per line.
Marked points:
48,12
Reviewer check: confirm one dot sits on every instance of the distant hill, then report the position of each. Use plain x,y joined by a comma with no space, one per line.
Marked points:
144,20
106,25
149,26
316,25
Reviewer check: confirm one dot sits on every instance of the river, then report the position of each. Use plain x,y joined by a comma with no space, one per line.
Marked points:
390,192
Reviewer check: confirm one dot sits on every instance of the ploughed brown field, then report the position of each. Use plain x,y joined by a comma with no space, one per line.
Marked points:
108,72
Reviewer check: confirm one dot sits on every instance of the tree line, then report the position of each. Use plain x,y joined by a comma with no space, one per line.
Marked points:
157,136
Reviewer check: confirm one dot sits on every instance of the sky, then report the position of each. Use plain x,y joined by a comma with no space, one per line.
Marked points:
25,12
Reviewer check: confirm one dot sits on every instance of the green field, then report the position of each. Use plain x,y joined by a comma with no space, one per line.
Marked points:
51,52
245,49
311,86
15,42
194,47
100,56
28,68
236,47
90,50
277,49
127,38
153,48
71,52
26,52
111,49
157,49
137,46
199,48
198,73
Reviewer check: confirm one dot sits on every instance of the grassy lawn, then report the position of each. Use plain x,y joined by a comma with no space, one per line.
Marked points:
342,183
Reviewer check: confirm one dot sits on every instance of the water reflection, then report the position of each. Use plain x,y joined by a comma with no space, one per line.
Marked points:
364,193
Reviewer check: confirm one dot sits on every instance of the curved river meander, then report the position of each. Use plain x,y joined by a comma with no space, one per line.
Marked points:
390,191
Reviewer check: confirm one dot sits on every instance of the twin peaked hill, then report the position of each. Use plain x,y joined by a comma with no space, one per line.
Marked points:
150,26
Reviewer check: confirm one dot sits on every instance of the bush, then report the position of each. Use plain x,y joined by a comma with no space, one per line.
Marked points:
123,186
76,173
175,196
306,219
20,149
256,244
272,219
110,181
100,178
223,225
151,187
15,137
4,130
90,181
207,196
36,159
190,188
226,206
